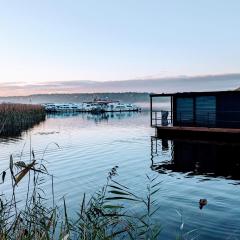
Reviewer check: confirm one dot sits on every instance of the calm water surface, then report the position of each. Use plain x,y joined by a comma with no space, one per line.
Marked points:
89,146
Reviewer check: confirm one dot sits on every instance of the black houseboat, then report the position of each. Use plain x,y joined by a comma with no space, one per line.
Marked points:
198,114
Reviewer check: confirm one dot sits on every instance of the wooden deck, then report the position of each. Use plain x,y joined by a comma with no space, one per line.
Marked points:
227,134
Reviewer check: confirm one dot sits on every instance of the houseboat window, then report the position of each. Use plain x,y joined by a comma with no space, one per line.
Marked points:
205,111
184,108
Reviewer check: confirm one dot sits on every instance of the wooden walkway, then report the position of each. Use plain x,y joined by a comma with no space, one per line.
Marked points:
227,134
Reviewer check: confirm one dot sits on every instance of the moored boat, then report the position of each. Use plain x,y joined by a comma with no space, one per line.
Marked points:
62,107
95,106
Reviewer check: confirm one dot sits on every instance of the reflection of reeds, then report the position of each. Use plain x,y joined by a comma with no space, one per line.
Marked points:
15,118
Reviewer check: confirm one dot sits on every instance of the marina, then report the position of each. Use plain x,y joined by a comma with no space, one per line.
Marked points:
95,106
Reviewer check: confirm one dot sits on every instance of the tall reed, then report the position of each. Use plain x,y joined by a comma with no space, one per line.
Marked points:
15,118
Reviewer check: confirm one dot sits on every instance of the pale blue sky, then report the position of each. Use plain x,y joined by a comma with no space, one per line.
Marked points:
102,40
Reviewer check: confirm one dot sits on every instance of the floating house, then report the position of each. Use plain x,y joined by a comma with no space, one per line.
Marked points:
197,112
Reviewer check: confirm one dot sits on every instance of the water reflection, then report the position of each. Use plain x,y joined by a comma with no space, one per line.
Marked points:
7,140
16,134
97,118
214,159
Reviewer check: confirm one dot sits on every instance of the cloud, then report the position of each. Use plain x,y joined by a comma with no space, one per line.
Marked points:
170,84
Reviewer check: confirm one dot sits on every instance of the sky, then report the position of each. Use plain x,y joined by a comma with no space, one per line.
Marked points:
107,40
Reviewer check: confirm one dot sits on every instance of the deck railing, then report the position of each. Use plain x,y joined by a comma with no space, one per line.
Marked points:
227,119
159,119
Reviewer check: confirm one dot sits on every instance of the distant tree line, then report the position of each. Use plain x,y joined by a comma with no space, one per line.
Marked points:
126,97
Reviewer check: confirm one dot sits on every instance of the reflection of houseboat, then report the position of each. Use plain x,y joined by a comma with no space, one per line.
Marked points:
194,157
95,106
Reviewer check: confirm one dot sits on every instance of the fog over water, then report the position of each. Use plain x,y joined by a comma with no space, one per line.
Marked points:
168,84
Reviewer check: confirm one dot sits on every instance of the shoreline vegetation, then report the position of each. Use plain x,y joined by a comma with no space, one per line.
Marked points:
16,118
108,214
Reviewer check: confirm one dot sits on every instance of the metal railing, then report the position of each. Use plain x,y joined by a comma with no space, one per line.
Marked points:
158,120
223,119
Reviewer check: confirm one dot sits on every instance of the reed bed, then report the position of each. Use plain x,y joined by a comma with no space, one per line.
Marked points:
15,118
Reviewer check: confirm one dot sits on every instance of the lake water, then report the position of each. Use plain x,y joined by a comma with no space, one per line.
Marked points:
90,145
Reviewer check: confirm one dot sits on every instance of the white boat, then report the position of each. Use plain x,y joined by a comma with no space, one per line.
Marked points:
95,106
121,107
62,107
99,105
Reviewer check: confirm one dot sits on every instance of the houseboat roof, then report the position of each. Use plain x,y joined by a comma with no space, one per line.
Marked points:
210,93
